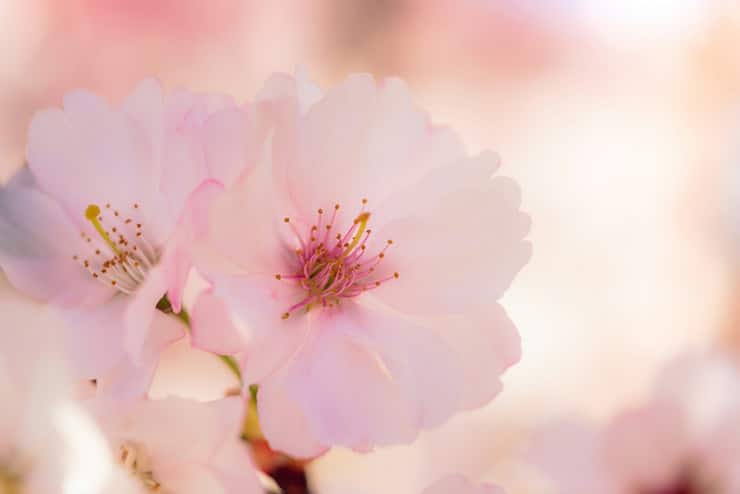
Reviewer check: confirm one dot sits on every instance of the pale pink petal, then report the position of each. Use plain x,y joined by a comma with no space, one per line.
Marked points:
460,253
283,422
95,337
183,167
146,108
192,225
362,140
90,154
570,454
260,302
176,430
188,142
458,484
259,224
125,382
37,245
486,343
212,328
298,94
234,468
428,373
190,478
323,379
307,92
140,311
227,145
145,105
164,330
128,380
176,264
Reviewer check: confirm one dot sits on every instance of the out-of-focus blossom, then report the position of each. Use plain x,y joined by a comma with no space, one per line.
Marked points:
365,252
48,444
92,224
181,446
686,439
457,484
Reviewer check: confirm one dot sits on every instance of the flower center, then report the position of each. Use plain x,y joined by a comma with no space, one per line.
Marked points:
331,265
688,482
119,255
10,482
13,468
136,462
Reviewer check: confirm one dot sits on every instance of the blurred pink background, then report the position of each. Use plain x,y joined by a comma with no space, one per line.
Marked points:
620,120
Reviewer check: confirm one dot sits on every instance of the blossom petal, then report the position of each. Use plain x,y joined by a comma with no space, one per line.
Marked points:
260,216
457,484
145,105
190,478
212,329
95,337
283,423
67,150
37,245
259,302
128,381
232,467
226,145
419,362
376,129
322,378
440,268
177,261
140,311
486,343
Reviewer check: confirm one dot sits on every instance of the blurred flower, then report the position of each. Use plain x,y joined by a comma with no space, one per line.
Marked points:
183,446
91,224
457,484
48,444
686,439
365,252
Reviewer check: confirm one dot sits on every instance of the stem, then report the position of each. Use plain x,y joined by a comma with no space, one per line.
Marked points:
165,306
232,365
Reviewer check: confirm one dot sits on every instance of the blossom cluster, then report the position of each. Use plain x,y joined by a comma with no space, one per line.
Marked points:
350,257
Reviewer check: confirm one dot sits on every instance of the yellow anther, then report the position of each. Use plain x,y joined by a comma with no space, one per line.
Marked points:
362,221
91,213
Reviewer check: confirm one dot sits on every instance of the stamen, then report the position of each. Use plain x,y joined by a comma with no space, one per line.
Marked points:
329,270
361,220
91,213
132,258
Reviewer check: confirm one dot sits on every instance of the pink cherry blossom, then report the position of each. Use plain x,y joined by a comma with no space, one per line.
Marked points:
48,444
364,254
181,446
95,224
686,439
457,484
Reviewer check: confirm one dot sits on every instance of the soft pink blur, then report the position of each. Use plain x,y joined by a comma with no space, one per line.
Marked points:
618,119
